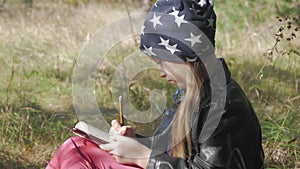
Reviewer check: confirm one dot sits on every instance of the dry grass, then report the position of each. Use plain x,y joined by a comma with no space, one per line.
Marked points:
39,46
38,51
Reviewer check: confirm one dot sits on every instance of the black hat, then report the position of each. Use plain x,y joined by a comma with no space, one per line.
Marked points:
179,30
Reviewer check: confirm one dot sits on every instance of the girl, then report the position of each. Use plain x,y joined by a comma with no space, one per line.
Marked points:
202,129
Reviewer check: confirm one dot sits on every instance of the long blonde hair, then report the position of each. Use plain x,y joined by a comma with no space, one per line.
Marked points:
196,89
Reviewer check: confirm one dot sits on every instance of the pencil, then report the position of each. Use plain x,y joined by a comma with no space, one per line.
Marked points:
121,120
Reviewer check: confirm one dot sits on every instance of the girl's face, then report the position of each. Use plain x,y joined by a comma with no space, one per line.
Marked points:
173,72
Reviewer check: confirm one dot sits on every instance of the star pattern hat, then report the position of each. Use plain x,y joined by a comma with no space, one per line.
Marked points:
179,30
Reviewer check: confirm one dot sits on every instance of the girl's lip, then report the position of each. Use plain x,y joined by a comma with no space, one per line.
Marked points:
172,81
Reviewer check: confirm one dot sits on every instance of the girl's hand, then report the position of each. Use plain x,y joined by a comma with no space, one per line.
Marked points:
122,130
127,150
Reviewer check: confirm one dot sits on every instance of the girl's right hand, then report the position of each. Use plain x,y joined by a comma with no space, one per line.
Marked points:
116,128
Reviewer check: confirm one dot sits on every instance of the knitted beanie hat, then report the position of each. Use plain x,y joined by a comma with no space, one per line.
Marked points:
179,30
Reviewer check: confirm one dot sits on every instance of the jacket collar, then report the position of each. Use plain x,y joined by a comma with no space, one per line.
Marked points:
226,70
179,95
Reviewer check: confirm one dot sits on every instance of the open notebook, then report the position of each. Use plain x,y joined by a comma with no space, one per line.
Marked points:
89,132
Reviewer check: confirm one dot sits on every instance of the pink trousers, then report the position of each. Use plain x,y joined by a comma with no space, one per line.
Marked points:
80,153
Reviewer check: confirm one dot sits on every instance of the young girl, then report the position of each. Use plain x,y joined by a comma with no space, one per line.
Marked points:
202,129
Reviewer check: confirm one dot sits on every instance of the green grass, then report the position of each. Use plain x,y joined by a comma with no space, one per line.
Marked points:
276,101
38,51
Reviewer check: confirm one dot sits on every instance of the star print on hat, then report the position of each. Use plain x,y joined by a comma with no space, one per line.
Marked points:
179,30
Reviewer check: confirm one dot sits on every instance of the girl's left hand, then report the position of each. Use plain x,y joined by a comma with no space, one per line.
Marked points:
127,150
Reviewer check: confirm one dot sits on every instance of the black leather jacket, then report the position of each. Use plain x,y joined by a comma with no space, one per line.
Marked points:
235,144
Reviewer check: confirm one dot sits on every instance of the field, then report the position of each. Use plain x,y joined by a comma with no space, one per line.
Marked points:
40,42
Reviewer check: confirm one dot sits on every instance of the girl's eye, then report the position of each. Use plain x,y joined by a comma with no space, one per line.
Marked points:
158,62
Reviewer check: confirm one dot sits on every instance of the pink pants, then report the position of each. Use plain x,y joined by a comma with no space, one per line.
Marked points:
79,153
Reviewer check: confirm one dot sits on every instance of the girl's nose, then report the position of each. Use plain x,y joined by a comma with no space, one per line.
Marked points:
162,74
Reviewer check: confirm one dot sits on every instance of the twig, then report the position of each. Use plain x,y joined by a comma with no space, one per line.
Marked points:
10,81
2,5
130,19
292,140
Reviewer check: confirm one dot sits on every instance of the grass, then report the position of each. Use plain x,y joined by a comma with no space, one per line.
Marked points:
38,51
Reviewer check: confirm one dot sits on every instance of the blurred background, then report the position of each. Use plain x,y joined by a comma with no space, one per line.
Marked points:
40,41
